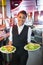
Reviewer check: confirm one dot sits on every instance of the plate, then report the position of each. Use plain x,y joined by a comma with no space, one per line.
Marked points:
5,49
32,47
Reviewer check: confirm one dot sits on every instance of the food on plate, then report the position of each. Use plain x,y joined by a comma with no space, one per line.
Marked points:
8,49
31,46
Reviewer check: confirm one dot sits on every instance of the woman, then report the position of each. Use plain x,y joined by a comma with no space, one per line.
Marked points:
21,35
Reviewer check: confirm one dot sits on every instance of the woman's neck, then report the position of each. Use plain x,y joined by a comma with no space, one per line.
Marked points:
19,25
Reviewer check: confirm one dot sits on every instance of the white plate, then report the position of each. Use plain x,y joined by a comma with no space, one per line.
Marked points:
7,51
25,47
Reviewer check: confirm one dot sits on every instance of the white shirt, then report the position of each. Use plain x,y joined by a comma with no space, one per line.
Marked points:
19,31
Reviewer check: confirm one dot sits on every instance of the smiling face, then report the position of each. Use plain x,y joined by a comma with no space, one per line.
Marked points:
21,19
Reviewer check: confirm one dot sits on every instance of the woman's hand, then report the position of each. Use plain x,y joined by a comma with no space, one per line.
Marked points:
9,43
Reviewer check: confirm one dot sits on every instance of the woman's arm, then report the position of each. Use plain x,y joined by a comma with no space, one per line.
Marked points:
10,37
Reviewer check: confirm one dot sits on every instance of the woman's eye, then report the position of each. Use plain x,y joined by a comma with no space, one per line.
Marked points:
22,17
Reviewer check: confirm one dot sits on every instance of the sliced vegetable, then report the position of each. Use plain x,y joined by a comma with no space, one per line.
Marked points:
8,49
31,46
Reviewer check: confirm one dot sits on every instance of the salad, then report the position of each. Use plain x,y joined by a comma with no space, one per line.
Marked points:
31,46
7,49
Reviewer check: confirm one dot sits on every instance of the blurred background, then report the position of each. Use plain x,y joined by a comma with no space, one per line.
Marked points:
34,8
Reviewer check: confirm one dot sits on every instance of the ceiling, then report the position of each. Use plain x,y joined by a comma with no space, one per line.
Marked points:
27,4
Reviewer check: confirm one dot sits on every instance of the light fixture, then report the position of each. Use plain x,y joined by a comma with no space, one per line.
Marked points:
16,4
